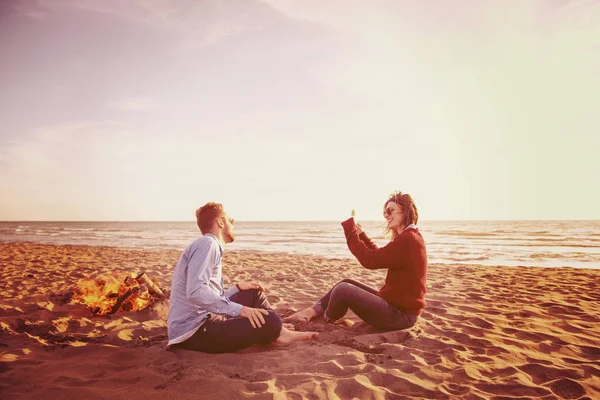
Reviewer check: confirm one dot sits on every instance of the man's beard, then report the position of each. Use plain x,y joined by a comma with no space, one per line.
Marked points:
229,237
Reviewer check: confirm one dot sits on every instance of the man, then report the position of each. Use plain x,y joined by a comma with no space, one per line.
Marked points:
205,317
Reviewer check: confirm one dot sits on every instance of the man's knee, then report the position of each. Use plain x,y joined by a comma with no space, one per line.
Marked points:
271,329
258,294
273,320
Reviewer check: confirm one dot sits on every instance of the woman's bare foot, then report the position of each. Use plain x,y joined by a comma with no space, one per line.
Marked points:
302,316
286,336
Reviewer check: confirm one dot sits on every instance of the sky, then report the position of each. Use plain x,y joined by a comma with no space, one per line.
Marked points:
299,109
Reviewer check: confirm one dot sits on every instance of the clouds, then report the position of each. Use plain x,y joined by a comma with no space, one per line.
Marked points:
134,104
196,23
89,170
165,104
55,151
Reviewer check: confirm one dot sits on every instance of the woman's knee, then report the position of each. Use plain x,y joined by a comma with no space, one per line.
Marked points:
342,287
338,303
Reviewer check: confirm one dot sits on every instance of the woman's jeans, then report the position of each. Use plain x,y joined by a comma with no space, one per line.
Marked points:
225,335
365,303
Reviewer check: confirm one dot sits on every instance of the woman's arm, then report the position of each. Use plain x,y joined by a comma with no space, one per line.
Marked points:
389,256
367,241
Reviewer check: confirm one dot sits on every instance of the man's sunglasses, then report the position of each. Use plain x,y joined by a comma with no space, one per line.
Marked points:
231,220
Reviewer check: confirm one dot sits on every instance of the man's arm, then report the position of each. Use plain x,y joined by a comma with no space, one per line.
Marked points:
231,291
202,260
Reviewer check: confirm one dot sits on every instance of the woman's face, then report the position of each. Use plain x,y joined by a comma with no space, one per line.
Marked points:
394,216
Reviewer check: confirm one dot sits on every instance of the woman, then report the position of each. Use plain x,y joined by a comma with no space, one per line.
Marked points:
398,304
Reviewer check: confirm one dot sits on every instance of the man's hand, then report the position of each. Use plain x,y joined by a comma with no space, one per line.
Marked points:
250,285
255,315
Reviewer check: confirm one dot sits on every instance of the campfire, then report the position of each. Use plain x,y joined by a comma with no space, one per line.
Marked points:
109,294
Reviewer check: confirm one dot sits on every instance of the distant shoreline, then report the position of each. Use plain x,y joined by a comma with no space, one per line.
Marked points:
309,220
540,244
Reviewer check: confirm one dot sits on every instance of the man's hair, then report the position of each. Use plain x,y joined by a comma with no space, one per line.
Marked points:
406,203
206,215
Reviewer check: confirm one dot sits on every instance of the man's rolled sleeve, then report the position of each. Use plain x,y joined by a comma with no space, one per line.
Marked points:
235,309
231,291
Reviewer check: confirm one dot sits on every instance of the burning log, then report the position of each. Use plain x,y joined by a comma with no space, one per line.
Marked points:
152,287
122,300
113,293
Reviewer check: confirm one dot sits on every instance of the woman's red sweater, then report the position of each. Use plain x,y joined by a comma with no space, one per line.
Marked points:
405,259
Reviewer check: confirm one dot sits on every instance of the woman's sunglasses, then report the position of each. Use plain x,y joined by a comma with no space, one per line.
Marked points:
388,211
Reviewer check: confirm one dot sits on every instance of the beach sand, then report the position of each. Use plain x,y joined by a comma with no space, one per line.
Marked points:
488,332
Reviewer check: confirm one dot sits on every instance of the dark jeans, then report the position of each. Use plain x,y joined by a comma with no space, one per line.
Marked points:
232,334
365,303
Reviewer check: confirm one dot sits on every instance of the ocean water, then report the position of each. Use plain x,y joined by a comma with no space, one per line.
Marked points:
504,243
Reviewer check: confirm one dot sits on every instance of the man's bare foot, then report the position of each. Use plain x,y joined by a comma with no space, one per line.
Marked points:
302,316
286,336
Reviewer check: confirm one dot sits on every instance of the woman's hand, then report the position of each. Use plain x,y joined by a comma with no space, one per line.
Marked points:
250,285
359,228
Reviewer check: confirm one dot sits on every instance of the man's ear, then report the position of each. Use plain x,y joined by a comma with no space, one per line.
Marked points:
220,222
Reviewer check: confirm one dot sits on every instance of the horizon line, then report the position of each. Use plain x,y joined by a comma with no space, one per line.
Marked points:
427,220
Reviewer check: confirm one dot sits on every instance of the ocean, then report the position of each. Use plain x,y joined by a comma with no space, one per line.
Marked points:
498,243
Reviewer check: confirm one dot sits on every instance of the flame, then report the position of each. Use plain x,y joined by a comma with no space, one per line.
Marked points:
107,294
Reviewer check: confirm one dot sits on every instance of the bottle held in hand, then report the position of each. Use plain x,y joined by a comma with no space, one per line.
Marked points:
358,226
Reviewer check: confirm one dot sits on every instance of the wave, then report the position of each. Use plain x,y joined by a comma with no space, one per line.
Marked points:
466,234
480,258
567,256
459,253
513,236
131,237
514,244
296,240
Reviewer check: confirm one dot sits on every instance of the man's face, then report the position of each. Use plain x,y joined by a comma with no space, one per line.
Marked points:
228,234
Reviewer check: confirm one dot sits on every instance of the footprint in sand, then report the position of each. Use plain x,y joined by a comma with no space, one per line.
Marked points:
567,389
126,334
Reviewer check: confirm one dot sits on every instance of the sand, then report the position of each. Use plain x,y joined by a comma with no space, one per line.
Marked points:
488,332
